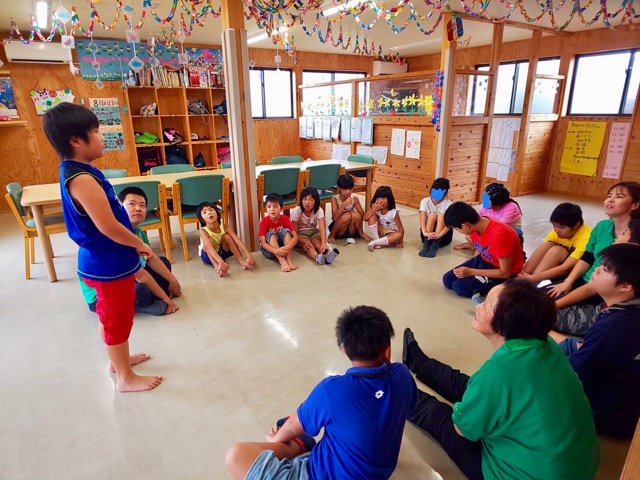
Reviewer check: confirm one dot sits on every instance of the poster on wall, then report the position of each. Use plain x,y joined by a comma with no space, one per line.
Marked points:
367,131
108,112
397,141
302,127
44,100
335,128
7,98
326,129
503,146
582,147
310,124
615,150
356,129
345,128
413,144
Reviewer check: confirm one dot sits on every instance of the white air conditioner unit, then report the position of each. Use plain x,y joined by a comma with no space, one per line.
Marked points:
37,52
389,68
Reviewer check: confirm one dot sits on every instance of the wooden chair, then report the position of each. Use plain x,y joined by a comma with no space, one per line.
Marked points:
115,173
287,182
360,174
323,178
157,216
190,192
178,168
53,223
286,159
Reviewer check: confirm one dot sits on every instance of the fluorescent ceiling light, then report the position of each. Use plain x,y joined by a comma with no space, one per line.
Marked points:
263,35
416,44
341,8
42,13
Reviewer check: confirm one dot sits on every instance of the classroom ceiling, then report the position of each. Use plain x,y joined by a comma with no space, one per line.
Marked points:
410,42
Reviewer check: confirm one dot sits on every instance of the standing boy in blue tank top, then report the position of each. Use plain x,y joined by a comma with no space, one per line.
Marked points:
109,251
362,412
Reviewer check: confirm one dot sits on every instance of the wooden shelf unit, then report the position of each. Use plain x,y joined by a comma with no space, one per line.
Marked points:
173,112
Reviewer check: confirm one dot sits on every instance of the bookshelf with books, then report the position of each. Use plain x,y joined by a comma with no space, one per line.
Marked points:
205,134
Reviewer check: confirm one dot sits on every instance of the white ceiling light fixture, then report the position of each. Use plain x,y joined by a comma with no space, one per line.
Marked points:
262,35
42,9
343,7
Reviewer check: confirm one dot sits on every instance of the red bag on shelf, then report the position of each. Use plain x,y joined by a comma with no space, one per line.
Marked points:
224,154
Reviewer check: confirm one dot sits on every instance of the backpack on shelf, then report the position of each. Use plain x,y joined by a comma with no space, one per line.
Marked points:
148,110
176,155
221,108
148,158
172,136
199,162
198,107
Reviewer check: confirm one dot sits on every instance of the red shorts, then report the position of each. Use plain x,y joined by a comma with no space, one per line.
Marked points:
115,306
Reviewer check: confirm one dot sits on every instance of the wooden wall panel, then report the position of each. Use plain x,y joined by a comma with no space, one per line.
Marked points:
272,138
631,167
537,157
462,166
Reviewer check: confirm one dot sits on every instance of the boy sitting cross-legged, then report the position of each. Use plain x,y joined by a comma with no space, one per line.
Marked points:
608,360
277,235
362,412
498,254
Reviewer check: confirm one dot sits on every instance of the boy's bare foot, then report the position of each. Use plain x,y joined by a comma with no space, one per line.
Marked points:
331,240
284,266
134,359
292,266
138,383
463,246
244,264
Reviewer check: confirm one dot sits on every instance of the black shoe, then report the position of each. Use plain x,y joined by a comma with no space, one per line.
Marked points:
407,339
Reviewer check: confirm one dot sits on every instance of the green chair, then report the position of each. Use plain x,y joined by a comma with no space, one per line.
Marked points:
190,192
114,173
227,164
286,159
323,178
285,181
359,174
53,224
157,217
178,168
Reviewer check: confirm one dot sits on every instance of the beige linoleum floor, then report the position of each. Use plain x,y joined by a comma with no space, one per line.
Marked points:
241,352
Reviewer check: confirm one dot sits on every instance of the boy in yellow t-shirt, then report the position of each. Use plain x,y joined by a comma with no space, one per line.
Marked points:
562,247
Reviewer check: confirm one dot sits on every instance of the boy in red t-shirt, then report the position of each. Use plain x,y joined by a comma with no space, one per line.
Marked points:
277,235
498,255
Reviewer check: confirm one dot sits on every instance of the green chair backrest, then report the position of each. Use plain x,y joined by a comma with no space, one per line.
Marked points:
286,159
323,177
150,189
361,159
281,180
171,169
225,164
114,173
203,188
15,190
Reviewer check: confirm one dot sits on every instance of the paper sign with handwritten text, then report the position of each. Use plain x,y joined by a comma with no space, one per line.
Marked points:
615,150
582,147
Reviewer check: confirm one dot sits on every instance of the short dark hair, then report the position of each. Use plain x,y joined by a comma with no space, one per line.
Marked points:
459,213
384,192
306,191
634,229
64,122
499,195
523,311
622,260
633,188
203,205
441,183
567,214
131,191
345,181
274,198
364,332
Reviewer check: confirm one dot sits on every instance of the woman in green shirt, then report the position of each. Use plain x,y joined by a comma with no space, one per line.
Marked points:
524,413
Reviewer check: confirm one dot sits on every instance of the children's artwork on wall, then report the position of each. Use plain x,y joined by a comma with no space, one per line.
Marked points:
413,143
43,100
326,129
110,54
397,141
502,147
356,129
7,98
345,128
582,147
302,127
317,128
335,128
615,151
310,125
108,112
378,153
340,152
366,135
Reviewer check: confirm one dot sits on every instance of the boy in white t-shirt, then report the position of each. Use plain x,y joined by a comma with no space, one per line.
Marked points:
434,233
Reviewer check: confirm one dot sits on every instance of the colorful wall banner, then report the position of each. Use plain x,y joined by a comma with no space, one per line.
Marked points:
582,147
43,100
7,98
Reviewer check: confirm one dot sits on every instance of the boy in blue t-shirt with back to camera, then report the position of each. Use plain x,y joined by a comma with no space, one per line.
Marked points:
109,251
363,413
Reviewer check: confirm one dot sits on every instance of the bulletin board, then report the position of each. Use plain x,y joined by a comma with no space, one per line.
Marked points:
582,147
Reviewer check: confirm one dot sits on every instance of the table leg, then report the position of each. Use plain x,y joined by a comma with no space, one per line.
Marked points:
45,242
368,195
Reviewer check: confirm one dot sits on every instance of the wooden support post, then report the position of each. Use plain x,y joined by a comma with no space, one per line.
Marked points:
631,469
534,55
236,67
492,85
441,139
